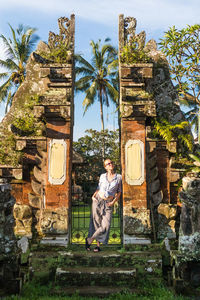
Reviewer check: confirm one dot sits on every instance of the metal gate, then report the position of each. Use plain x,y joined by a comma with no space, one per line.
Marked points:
80,218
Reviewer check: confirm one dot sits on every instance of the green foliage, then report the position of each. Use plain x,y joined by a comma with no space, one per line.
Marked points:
131,55
183,52
155,290
167,131
58,54
196,160
90,148
25,122
8,154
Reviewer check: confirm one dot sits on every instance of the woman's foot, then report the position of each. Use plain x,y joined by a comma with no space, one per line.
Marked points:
87,245
97,249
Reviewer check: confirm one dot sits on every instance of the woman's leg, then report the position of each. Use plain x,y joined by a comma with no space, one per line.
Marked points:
102,232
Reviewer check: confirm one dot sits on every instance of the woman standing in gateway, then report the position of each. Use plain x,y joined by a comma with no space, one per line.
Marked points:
103,200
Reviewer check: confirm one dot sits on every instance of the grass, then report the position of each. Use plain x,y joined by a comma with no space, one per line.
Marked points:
146,291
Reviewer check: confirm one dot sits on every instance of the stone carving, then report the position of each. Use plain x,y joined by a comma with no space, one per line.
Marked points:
64,35
23,219
189,235
53,221
130,24
9,253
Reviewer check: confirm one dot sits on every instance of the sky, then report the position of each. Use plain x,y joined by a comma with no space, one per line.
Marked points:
96,19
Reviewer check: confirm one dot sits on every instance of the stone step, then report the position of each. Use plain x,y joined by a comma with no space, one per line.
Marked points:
145,260
93,291
92,276
147,263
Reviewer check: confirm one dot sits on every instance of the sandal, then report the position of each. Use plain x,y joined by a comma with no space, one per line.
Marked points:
97,249
87,245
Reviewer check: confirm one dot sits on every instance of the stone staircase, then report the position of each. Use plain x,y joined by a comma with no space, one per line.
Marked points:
97,274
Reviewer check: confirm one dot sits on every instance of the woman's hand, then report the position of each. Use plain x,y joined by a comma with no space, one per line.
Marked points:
93,198
110,203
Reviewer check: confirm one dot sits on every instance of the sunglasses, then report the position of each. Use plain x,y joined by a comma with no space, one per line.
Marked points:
109,164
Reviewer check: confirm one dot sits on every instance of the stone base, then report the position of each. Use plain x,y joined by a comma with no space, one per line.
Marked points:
128,239
189,244
61,240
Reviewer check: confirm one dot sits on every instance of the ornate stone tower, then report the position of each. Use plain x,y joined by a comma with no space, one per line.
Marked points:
41,180
135,107
149,171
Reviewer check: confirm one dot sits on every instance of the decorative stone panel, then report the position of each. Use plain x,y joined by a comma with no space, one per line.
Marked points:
134,162
57,161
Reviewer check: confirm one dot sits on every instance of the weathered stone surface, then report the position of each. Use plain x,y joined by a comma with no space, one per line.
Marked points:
9,253
17,173
53,221
137,223
190,244
174,175
165,229
23,244
34,200
23,219
38,111
152,161
36,186
42,47
169,211
189,233
22,211
157,198
155,186
37,174
20,145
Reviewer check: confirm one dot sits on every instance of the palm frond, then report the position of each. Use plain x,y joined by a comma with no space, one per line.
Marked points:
3,75
9,100
90,96
83,83
83,70
83,62
4,89
112,92
8,47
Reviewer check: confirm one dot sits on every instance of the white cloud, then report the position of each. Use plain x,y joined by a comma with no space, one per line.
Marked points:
156,14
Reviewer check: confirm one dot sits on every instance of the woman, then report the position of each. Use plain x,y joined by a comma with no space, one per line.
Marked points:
103,200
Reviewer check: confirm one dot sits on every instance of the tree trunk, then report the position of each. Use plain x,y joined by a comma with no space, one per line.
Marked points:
102,123
198,128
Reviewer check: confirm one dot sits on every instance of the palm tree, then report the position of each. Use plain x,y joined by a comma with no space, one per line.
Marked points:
17,50
99,77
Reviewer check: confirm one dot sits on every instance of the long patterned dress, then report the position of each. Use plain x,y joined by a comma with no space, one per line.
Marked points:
101,215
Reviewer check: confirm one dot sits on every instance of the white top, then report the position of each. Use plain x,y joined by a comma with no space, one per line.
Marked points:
110,188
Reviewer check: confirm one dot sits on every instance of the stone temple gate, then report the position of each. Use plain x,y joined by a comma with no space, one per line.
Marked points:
38,166
36,159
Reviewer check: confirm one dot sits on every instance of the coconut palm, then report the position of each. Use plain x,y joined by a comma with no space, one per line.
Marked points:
17,49
98,79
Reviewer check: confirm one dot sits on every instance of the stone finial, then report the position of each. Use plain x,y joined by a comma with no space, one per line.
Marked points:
127,33
66,33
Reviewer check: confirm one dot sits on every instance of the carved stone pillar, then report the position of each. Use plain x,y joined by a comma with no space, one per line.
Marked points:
135,106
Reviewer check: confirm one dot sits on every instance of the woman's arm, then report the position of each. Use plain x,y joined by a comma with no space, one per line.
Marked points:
94,195
117,196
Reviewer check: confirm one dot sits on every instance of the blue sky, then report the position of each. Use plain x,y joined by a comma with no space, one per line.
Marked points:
96,19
